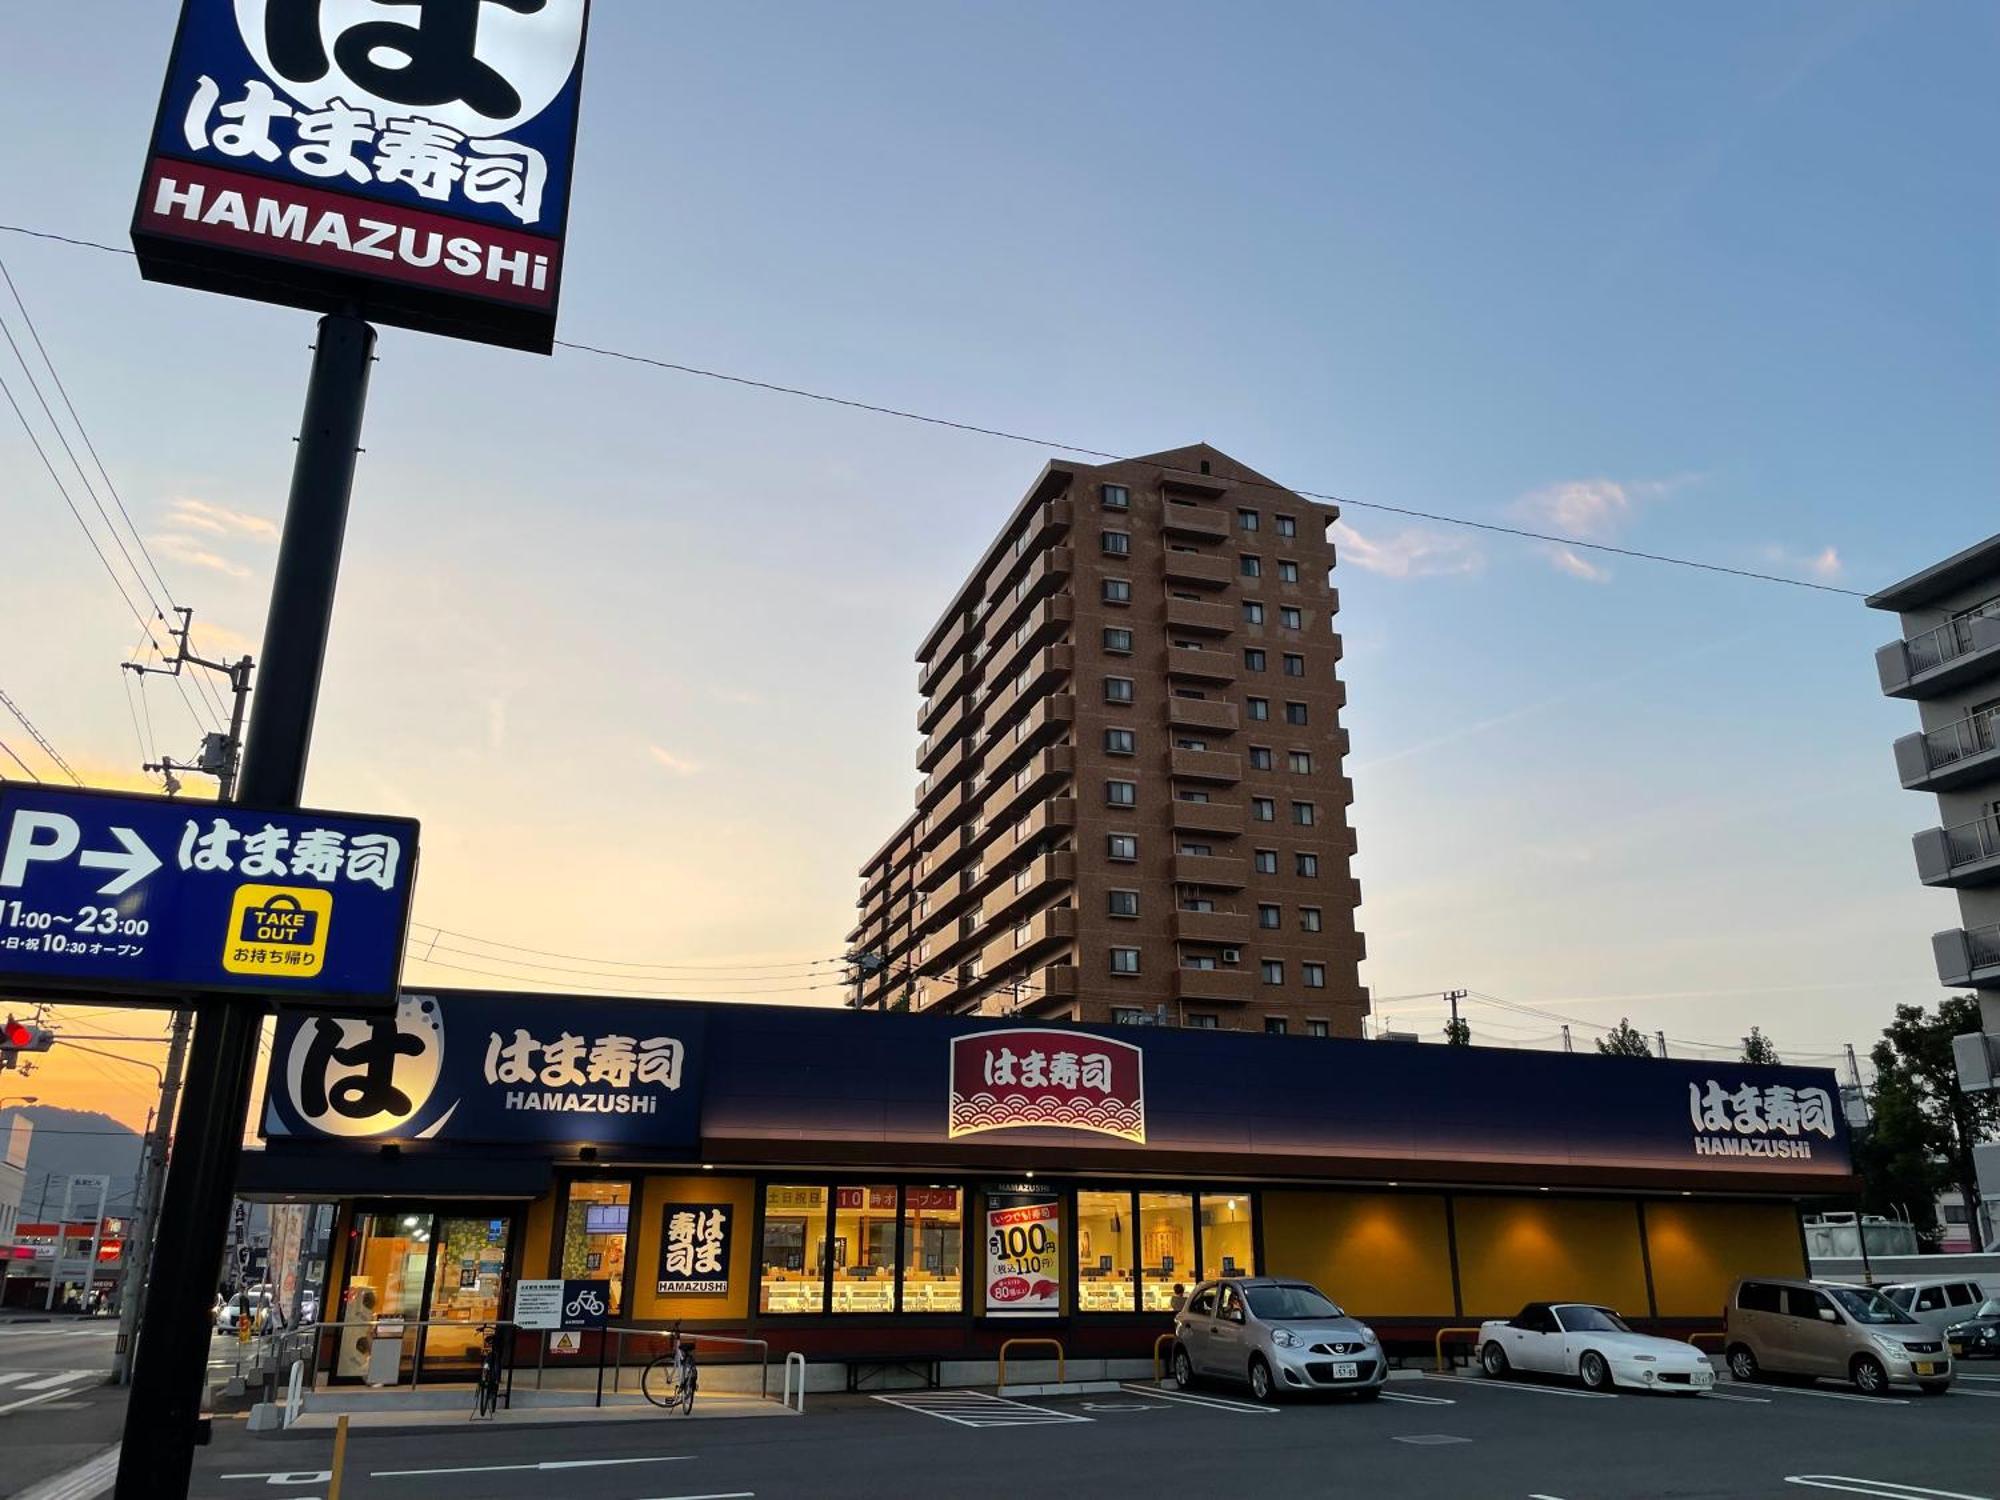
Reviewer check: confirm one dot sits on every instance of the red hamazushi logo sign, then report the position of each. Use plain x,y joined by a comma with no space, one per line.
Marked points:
1008,1080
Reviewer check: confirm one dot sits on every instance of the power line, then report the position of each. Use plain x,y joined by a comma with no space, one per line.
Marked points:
618,963
18,761
982,430
39,738
439,963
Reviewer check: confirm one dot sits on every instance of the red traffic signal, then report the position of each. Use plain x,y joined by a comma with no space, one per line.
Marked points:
19,1036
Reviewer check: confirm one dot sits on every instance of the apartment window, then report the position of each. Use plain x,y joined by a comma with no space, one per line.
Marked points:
1272,971
1260,757
1288,572
1116,543
1023,878
1263,809
1269,917
1315,975
1120,742
1201,1023
1117,591
1200,849
1124,960
1187,794
1291,617
1307,865
1295,665
1023,934
1117,690
1302,814
1260,708
1126,794
1253,612
1201,962
1266,861
1295,713
1253,659
1246,520
1124,903
1182,742
1123,846
1315,1027
1301,761
1118,642
1275,1026
1253,567
1288,525
1198,903
1309,919
1127,1015
1117,497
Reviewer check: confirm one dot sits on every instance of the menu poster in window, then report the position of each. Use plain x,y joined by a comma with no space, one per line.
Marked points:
1023,1255
694,1249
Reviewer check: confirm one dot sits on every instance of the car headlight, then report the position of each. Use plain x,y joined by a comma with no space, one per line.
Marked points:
1888,1345
1284,1338
1368,1335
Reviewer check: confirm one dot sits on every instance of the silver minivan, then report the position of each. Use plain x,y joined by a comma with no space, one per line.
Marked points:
1938,1301
1777,1326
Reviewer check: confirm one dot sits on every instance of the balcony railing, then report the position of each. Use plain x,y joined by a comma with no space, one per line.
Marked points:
1967,955
1933,761
1953,639
1971,843
1202,569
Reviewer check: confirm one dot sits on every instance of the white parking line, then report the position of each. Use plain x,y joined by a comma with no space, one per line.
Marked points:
1189,1398
1802,1390
1726,1396
976,1409
547,1466
1535,1390
37,1400
729,1495
61,1377
1419,1400
1886,1489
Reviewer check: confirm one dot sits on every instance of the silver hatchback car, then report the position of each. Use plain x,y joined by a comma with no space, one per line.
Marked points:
1275,1335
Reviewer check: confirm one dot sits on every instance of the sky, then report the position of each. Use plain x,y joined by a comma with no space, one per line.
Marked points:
636,646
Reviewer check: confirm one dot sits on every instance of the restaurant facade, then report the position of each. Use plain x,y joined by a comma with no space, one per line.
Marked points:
871,1187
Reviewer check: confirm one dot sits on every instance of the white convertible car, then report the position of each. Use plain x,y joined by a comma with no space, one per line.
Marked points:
1592,1344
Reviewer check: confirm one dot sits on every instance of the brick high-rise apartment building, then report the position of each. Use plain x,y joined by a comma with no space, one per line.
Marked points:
1132,805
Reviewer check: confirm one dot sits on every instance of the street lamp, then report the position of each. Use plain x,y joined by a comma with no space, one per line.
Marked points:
12,1099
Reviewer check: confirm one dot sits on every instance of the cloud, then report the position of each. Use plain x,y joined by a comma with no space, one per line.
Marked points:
1412,553
186,549
1565,560
1588,508
1824,564
219,520
677,764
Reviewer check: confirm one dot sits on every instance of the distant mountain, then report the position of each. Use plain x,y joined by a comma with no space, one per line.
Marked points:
75,1143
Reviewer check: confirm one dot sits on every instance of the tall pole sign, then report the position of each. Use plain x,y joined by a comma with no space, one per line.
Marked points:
402,161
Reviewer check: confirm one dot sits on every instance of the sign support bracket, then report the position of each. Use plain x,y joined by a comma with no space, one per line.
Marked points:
163,1414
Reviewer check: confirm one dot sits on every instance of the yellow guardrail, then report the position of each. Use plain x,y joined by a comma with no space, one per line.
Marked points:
1445,1333
1696,1338
1159,1373
1062,1360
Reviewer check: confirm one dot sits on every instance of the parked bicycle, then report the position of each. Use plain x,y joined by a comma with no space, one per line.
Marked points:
671,1378
486,1397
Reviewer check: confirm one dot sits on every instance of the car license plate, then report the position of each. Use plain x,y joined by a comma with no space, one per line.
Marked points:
1958,1349
1346,1372
1924,1367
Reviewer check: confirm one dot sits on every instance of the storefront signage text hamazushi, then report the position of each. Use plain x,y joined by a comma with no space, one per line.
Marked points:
604,1071
1753,1121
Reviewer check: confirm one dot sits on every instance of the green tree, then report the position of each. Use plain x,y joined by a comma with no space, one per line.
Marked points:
1458,1032
1624,1040
1918,1106
1758,1049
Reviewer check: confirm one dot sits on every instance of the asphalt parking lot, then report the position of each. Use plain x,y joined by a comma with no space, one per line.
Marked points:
1425,1437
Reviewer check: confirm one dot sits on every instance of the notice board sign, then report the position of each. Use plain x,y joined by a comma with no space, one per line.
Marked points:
411,159
116,895
538,1305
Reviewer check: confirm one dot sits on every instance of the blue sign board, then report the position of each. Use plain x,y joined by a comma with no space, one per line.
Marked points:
412,158
104,893
586,1303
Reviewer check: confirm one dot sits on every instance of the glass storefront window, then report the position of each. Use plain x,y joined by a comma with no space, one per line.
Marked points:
471,1256
793,1255
1104,1234
1166,1249
1225,1235
594,1235
864,1249
933,1248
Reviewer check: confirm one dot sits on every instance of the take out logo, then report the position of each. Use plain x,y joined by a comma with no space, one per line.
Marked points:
1024,1078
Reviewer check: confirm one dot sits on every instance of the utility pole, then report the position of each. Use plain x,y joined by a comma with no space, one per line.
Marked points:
1661,1038
145,1212
1567,1046
221,754
163,1412
1456,1033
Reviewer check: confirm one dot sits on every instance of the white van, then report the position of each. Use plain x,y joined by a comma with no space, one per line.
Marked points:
1938,1301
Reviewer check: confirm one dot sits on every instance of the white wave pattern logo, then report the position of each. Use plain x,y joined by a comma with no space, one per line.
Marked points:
984,1111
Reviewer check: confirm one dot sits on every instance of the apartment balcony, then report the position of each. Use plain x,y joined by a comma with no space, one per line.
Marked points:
1029,939
1215,871
1044,576
940,863
943,810
1036,676
1048,622
1052,815
1967,855
1201,664
1035,884
1058,982
1053,716
1212,986
1049,524
1212,714
941,738
1229,927
949,688
1197,618
1942,660
932,667
1221,818
1038,777
1221,766
1957,755
949,768
1968,956
1208,523
1202,570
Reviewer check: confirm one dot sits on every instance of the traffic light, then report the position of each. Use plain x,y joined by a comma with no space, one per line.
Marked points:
17,1037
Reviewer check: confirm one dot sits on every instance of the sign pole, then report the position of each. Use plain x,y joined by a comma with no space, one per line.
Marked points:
163,1412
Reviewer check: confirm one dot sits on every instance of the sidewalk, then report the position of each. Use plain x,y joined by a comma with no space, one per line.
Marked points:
385,1410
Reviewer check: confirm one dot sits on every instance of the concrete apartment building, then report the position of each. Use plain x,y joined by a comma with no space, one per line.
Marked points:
1948,663
1132,805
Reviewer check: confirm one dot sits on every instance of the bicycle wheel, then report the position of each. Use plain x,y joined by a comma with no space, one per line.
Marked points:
659,1383
689,1380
